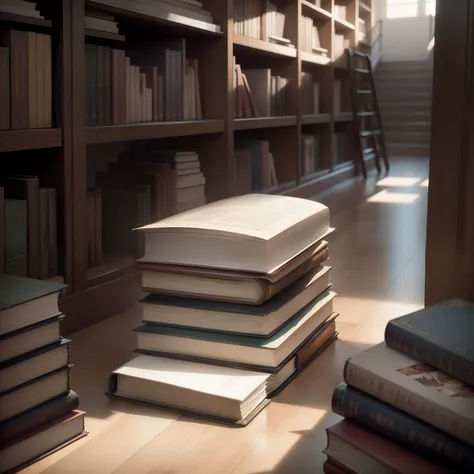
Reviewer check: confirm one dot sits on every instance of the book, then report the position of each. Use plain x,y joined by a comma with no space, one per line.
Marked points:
255,232
263,320
30,338
415,388
24,301
42,442
34,393
226,286
27,367
353,449
402,429
440,336
20,425
246,350
227,394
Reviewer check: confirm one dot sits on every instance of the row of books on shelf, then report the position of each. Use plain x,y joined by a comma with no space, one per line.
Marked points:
229,321
261,20
38,410
25,80
153,83
408,402
258,93
310,38
28,228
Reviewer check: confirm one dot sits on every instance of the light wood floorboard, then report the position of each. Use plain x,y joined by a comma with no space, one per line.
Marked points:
378,272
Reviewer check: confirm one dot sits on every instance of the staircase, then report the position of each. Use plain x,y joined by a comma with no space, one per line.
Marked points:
404,93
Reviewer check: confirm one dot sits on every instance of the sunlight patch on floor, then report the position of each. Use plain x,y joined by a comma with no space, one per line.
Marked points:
425,183
388,197
398,182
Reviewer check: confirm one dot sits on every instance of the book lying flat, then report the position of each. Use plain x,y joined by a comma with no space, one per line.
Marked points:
30,338
245,350
229,286
223,393
254,232
263,320
358,450
440,336
20,425
22,369
34,393
42,442
416,388
24,301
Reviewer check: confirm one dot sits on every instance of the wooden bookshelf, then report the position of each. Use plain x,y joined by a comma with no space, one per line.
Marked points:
72,152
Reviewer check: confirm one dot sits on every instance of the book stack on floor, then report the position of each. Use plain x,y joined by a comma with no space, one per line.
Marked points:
408,402
239,303
38,411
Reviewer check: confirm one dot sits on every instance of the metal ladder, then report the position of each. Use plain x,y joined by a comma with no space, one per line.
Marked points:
369,134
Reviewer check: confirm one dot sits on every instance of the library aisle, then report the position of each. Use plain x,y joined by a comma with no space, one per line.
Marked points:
378,249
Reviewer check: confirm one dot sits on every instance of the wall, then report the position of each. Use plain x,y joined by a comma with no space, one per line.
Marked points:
404,39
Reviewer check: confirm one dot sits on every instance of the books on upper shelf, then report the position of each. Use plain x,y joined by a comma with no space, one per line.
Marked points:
255,166
340,44
100,22
310,93
20,7
258,93
408,393
149,83
340,12
231,287
136,190
186,13
309,154
30,227
261,20
255,232
26,80
227,394
310,39
37,406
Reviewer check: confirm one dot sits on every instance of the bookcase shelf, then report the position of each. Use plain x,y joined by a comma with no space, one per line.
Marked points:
75,158
256,45
152,130
314,11
30,139
264,122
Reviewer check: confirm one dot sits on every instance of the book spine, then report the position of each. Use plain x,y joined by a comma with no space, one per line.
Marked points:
402,428
20,425
410,402
424,350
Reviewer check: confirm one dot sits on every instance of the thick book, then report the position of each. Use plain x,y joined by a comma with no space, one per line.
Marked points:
355,450
33,393
20,425
222,393
415,388
245,350
255,232
27,367
25,301
402,428
29,338
229,286
42,442
440,336
241,319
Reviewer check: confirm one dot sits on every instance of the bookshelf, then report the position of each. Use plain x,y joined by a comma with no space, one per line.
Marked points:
77,149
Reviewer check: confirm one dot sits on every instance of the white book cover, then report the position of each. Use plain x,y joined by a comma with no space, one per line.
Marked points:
415,388
225,382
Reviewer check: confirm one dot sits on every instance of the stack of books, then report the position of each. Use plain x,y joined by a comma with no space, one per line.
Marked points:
38,411
239,303
408,402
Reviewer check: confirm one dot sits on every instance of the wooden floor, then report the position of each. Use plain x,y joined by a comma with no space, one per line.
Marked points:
378,266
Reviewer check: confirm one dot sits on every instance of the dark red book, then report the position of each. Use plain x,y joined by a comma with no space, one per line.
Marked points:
333,467
359,450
